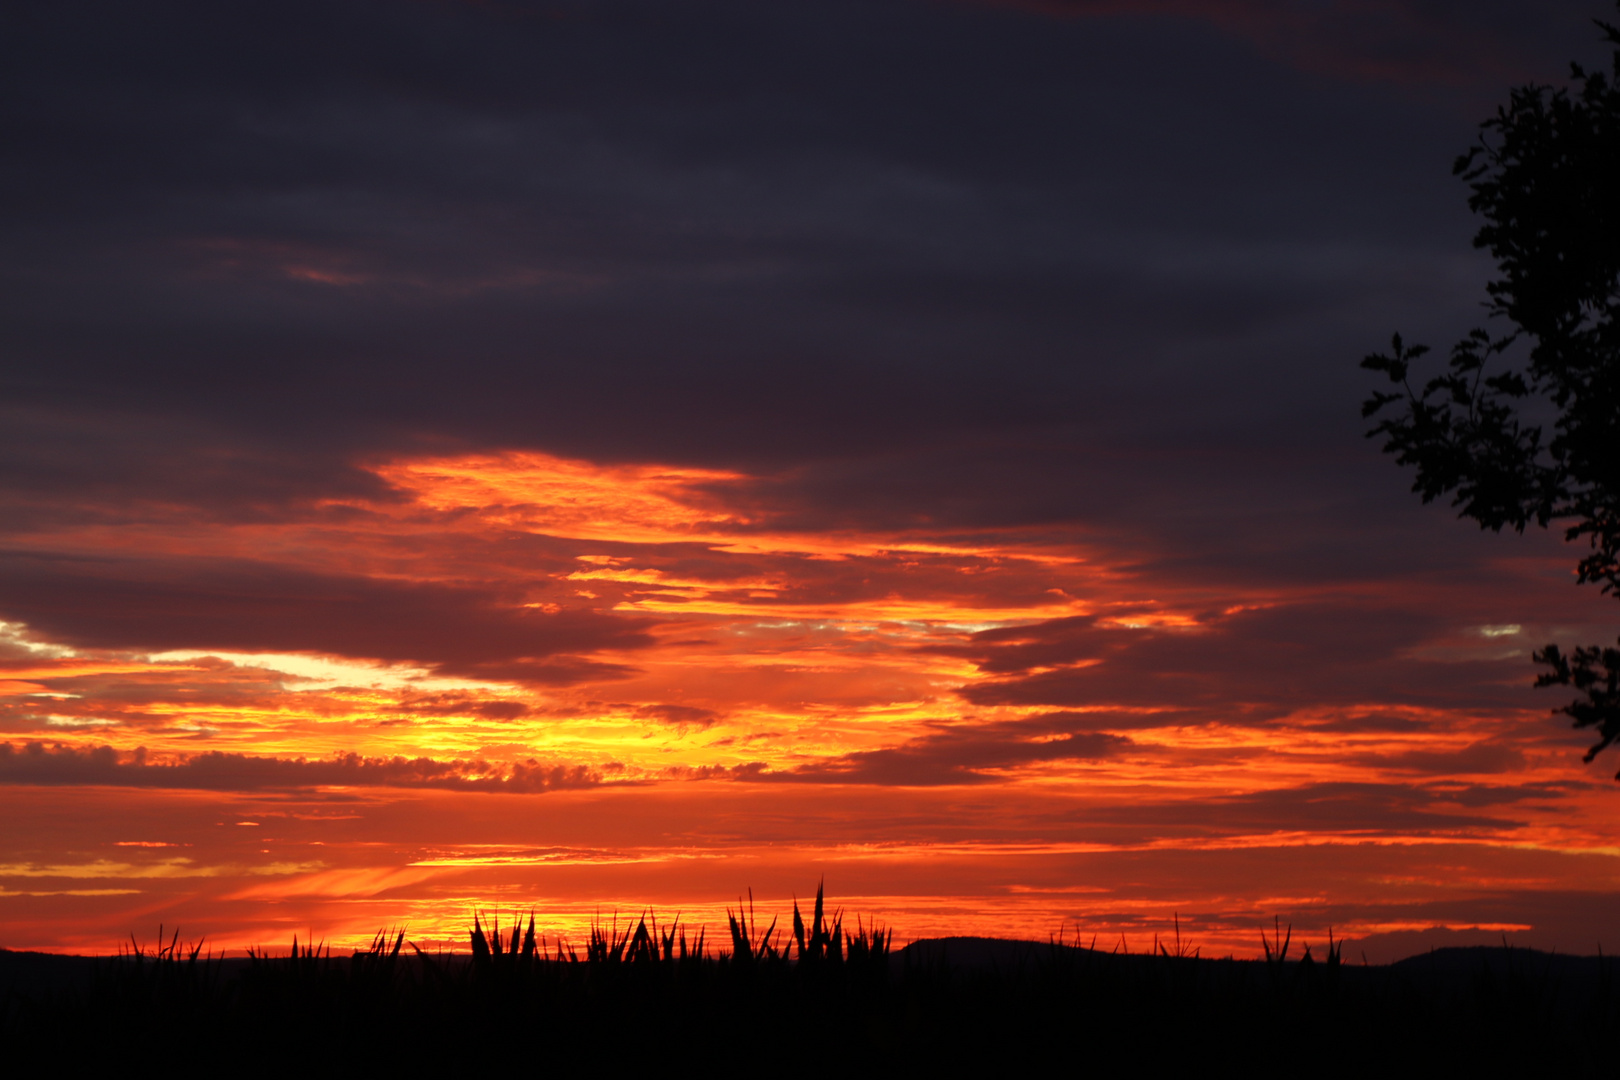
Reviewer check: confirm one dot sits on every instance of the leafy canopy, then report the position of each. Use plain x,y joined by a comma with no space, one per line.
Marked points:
1523,424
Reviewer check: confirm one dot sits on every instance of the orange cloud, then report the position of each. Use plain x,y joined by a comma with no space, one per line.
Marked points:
621,503
551,683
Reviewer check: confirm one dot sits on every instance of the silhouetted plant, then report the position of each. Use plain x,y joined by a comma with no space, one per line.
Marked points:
1175,949
640,991
1544,176
607,946
1276,949
1595,672
747,943
826,936
869,947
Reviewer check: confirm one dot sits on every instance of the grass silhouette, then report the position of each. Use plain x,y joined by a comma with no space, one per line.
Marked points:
822,998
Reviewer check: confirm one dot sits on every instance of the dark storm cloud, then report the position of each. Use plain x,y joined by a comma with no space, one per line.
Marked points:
589,225
1408,41
970,754
1248,665
36,763
1371,722
1101,720
231,605
965,753
462,705
1478,758
1370,808
967,265
973,755
676,715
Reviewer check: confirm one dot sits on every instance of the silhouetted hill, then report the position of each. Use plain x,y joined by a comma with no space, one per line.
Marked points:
35,972
943,1005
1448,970
1505,961
1004,954
989,951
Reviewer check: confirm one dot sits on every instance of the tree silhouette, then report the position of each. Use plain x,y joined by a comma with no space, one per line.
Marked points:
1545,176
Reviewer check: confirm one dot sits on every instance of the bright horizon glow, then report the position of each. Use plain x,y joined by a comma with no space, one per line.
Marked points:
796,704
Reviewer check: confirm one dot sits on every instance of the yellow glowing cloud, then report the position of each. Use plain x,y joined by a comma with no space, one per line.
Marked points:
538,492
355,881
773,650
647,504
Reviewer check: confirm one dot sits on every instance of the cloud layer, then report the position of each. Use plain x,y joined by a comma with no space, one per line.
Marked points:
656,442
36,763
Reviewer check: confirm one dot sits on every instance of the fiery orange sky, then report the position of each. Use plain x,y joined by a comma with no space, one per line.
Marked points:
575,456
579,688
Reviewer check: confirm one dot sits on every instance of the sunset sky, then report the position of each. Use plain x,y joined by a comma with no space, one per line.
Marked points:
576,456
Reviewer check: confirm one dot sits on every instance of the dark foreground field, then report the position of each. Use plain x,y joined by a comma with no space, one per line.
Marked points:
815,1000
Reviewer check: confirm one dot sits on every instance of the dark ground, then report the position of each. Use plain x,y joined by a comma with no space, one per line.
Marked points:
941,1005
